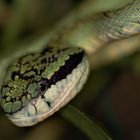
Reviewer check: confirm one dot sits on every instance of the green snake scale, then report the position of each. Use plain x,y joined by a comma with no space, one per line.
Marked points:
40,83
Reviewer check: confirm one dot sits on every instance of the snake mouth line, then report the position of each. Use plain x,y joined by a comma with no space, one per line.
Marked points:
65,97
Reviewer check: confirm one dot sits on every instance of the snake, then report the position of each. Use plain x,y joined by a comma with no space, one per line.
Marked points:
38,84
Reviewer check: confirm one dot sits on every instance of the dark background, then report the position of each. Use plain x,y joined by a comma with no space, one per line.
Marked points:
111,94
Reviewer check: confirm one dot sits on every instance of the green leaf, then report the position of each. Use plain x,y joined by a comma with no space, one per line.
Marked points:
89,127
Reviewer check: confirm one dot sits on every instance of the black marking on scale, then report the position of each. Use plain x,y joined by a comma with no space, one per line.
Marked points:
66,69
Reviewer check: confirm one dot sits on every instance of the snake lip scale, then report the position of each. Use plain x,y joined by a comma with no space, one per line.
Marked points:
67,95
47,90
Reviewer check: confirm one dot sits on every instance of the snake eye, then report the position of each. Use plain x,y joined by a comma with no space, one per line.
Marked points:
42,87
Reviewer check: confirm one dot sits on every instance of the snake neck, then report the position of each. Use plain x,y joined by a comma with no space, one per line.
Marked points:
93,32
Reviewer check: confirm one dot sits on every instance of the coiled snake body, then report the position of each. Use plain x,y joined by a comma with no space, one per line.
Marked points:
38,84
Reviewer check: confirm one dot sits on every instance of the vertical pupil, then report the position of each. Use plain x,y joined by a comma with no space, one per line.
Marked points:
42,87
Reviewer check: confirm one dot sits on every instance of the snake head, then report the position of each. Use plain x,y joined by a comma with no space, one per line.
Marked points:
38,84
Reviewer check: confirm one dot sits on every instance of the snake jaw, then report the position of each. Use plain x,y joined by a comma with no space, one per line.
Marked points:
54,98
38,85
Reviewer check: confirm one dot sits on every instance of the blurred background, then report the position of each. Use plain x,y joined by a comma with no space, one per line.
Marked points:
111,95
